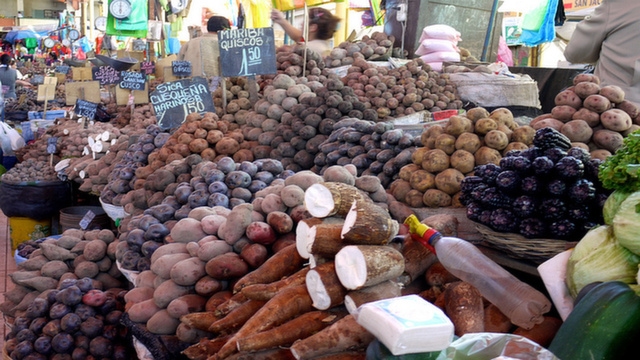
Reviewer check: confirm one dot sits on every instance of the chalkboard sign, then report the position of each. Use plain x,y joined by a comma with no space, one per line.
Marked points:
51,145
132,80
247,52
86,108
106,75
63,69
173,101
148,67
181,68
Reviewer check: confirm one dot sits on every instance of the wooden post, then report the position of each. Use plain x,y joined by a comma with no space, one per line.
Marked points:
253,89
46,100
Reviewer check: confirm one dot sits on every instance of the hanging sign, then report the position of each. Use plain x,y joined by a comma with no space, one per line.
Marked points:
132,80
106,75
247,52
173,101
181,68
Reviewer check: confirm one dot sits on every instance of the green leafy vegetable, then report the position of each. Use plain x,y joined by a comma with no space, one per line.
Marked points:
599,257
620,170
626,223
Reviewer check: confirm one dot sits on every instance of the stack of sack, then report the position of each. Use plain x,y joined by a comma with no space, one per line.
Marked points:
438,43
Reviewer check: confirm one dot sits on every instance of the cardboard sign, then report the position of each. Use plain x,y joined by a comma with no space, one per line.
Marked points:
81,74
132,80
246,52
139,96
173,101
46,92
181,68
86,108
62,69
147,67
106,75
85,90
51,80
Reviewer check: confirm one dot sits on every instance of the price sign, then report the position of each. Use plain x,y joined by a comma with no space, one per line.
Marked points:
173,101
247,52
106,75
181,68
86,108
37,80
87,219
148,67
132,80
63,69
51,145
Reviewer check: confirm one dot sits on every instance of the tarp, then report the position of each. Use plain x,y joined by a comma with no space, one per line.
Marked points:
21,34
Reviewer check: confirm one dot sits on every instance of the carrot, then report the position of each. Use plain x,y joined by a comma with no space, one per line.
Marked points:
345,334
301,327
267,291
283,307
236,318
283,263
200,320
202,349
324,286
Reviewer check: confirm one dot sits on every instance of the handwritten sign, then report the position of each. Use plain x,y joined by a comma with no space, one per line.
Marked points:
51,145
63,69
132,80
181,68
147,67
37,80
173,101
86,108
247,52
106,75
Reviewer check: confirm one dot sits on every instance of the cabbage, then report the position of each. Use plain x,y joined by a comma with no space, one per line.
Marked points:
612,205
626,223
599,257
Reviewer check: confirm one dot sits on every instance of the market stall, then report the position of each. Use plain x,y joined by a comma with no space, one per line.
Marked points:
352,206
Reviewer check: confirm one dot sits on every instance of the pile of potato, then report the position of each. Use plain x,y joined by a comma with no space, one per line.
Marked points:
29,171
376,47
374,148
594,117
451,151
68,299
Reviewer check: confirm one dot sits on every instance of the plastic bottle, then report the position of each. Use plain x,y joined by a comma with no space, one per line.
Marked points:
523,304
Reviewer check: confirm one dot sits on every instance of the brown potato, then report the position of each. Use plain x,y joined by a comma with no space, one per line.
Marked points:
468,141
523,134
477,113
449,181
486,155
435,161
436,198
458,125
446,143
422,180
515,145
462,161
496,139
484,125
502,116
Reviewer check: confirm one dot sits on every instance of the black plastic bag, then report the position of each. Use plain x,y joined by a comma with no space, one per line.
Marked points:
36,201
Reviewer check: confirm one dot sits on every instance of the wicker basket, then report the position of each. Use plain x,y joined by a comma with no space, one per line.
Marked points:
520,247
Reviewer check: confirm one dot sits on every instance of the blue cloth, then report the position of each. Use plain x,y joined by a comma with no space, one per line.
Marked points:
547,31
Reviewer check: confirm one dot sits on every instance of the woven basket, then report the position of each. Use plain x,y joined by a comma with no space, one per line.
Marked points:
520,247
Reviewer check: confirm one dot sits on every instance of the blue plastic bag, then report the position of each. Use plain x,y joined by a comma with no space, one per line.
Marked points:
547,31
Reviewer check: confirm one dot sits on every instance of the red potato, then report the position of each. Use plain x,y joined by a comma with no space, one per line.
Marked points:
186,304
226,266
211,223
261,232
563,112
548,122
616,120
254,254
280,221
94,298
591,117
568,97
597,103
586,88
207,286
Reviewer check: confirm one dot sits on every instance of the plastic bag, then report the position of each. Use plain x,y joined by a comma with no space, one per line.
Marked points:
11,139
441,31
434,45
440,56
504,53
547,31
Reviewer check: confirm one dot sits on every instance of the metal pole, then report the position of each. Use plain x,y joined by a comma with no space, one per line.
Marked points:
487,37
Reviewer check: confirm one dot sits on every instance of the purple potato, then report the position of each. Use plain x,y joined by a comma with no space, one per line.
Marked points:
62,343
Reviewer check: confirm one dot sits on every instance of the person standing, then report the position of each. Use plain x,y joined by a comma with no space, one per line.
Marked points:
203,52
322,26
607,38
8,77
